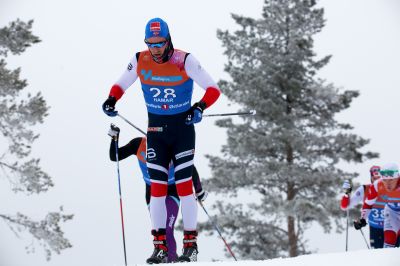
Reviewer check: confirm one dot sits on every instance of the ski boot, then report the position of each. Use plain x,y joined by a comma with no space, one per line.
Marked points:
189,247
160,253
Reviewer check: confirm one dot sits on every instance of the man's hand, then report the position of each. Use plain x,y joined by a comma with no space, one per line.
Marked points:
201,195
114,132
347,187
195,113
109,106
358,224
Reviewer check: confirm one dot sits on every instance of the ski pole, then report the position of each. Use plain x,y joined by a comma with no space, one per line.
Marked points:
217,229
120,200
366,242
251,112
347,229
127,121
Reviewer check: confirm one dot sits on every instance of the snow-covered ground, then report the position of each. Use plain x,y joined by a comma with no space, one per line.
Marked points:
376,257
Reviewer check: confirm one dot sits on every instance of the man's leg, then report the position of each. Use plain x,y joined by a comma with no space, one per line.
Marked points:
391,227
172,203
398,239
157,165
376,237
183,155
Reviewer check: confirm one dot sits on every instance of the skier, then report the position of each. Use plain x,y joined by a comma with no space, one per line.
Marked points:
375,218
387,191
137,147
166,75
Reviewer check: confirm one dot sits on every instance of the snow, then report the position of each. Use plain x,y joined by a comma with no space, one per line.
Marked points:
373,257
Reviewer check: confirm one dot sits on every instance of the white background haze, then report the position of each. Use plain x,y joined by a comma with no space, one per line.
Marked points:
86,46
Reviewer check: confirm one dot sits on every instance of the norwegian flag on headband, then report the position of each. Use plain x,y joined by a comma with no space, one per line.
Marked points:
155,26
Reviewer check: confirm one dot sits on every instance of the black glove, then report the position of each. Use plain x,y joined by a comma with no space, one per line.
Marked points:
195,113
201,195
114,132
109,106
358,224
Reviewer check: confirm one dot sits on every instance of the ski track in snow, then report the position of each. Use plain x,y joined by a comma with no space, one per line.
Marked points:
373,257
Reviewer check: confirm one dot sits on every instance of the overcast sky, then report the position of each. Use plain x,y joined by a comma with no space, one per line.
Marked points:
86,46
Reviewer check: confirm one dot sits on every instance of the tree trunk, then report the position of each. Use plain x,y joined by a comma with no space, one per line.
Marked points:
292,237
291,192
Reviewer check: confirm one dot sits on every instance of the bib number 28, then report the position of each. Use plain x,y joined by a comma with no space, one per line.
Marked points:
167,92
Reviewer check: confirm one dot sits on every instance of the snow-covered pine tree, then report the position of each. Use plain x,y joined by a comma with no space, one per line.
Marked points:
19,112
286,156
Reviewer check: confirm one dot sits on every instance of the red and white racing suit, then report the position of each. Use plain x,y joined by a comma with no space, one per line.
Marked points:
391,210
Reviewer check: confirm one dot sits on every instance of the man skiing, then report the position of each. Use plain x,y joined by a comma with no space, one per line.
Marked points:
137,147
166,75
375,218
386,190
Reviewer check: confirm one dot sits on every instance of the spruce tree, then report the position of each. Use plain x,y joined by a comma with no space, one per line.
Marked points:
278,172
20,111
